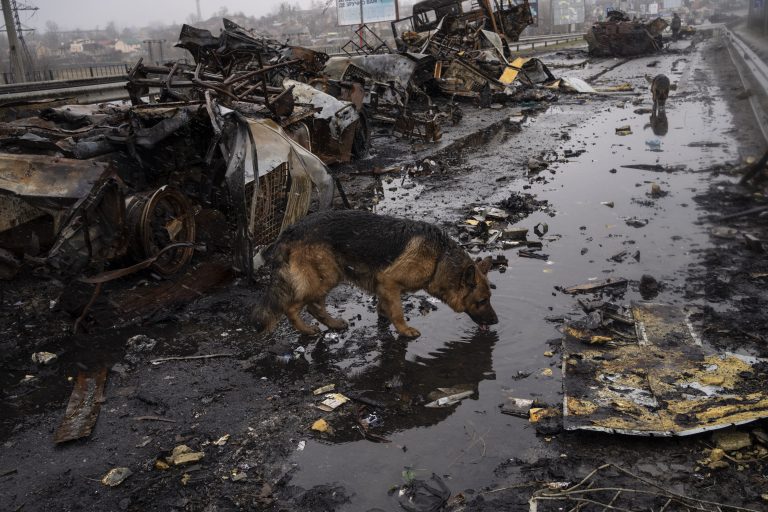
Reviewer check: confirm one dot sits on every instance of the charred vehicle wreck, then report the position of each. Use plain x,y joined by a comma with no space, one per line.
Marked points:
620,36
242,133
103,191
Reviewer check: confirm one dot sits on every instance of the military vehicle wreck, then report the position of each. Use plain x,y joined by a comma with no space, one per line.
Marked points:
86,187
245,130
457,26
621,36
470,48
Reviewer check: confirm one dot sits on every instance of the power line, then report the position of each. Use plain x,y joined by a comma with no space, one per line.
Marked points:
21,59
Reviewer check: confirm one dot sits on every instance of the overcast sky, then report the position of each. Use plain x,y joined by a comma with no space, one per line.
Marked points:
85,14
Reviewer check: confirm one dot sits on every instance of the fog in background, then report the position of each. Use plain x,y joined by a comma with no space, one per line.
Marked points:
89,14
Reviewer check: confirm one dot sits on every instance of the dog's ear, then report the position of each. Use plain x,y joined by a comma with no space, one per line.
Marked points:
468,277
485,265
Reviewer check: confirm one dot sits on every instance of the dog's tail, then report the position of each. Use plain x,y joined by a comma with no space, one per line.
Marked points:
278,293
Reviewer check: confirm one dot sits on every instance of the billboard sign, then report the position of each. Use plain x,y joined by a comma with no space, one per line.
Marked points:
357,12
566,12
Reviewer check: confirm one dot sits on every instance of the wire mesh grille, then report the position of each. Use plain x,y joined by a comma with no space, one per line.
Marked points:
269,209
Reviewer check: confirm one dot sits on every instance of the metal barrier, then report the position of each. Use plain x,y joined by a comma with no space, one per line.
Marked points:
744,57
531,43
69,73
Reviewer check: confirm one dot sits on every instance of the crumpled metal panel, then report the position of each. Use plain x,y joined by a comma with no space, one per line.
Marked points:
43,177
667,384
339,114
276,147
381,67
83,407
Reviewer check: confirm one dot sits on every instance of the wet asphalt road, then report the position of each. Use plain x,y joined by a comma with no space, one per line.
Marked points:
266,408
470,443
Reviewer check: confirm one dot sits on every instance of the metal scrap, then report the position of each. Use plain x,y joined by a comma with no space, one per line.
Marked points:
83,407
665,383
507,19
208,116
620,36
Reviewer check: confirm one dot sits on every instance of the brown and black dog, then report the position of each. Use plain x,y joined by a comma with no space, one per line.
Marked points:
660,87
385,256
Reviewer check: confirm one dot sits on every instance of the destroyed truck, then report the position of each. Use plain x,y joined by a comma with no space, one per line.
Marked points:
460,26
621,36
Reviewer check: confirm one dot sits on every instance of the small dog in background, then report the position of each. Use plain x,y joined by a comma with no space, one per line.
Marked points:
660,87
383,255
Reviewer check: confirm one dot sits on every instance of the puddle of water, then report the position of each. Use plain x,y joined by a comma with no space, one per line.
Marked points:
467,442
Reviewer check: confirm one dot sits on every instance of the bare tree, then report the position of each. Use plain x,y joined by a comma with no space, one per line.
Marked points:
52,37
111,30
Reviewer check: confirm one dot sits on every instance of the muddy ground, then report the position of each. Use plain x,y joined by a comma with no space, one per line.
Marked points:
259,391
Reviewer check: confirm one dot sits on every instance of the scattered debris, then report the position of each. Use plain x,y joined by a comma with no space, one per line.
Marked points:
525,253
222,440
517,407
137,345
189,358
320,425
116,476
636,223
654,144
596,285
424,496
649,287
445,397
332,401
237,476
154,418
324,389
183,454
662,383
83,407
44,358
589,492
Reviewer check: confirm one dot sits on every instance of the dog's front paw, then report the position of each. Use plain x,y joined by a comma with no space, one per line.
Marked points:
310,330
337,324
409,332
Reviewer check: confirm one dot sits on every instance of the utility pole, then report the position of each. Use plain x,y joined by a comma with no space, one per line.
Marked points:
17,50
199,16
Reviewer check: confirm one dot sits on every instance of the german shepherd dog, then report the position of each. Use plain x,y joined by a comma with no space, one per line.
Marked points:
385,256
660,87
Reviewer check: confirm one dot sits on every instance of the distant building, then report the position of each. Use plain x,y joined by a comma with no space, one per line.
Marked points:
91,46
127,47
76,46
